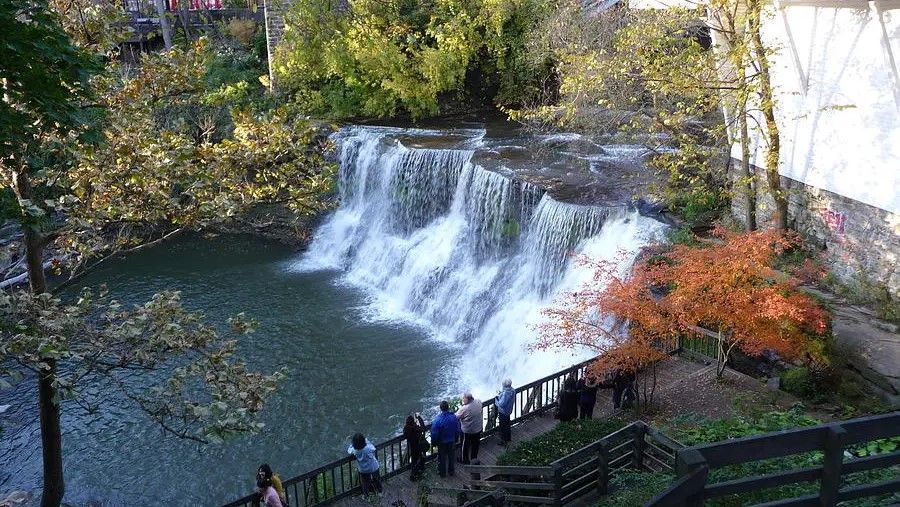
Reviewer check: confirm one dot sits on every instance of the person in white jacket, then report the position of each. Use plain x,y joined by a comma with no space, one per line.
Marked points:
472,425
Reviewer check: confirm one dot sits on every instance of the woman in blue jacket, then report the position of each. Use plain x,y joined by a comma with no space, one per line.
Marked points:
366,463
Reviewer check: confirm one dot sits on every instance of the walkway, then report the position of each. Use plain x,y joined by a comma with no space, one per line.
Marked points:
399,490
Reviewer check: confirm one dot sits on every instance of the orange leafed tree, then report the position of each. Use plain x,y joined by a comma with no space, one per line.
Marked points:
728,289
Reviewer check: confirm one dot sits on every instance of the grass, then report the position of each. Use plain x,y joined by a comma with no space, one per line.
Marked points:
636,488
565,439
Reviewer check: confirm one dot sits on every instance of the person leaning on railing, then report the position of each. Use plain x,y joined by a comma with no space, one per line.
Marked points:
366,463
505,402
416,444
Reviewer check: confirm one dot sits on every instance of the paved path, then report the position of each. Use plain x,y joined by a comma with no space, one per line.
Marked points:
399,490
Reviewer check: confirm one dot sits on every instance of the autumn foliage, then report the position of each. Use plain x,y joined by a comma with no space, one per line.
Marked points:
727,287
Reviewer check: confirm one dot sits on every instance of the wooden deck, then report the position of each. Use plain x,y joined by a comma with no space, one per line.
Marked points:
400,491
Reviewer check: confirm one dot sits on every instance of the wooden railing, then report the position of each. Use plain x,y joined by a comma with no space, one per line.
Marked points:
339,479
695,464
589,469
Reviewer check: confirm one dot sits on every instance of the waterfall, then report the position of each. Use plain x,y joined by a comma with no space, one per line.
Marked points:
471,254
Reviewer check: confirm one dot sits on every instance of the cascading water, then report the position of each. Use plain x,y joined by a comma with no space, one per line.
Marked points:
469,253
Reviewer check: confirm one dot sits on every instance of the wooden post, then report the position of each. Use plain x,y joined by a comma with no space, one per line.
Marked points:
637,458
831,465
498,498
557,485
603,468
688,461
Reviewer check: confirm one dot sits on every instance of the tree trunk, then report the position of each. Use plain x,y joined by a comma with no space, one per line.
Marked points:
51,438
185,18
48,398
767,106
747,173
164,25
721,358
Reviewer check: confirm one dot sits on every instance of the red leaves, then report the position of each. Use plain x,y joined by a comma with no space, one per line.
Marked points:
728,286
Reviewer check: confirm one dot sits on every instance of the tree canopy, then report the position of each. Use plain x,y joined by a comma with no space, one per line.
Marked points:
385,58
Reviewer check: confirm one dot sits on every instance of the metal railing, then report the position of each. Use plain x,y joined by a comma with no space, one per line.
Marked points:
695,464
339,479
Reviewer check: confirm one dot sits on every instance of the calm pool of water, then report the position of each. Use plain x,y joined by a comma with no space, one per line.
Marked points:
346,374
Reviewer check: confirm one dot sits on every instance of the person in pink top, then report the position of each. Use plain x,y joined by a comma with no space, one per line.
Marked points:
267,493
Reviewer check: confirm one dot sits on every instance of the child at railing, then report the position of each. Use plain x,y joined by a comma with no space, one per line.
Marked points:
366,463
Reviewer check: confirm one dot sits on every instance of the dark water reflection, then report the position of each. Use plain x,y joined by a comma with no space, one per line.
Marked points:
346,375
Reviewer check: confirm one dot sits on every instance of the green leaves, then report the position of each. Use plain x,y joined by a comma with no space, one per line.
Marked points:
386,58
204,394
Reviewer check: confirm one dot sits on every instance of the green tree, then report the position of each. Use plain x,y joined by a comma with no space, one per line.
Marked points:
383,58
102,161
667,76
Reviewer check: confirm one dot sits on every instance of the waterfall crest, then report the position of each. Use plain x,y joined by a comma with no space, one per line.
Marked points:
471,254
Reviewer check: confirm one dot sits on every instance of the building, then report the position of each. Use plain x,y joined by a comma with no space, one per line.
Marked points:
837,89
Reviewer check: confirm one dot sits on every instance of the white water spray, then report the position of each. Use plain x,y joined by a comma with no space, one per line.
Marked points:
472,255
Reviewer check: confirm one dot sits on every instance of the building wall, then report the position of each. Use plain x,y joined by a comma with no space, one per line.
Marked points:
837,89
855,238
838,104
274,31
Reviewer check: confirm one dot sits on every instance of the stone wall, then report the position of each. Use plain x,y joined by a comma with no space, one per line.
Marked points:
274,30
855,238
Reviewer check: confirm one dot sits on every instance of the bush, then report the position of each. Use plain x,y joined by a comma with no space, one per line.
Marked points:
682,236
799,381
629,488
565,439
241,30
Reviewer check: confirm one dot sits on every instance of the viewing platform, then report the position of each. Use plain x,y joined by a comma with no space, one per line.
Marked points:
399,488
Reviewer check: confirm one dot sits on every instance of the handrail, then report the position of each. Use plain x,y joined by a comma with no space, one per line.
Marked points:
831,439
338,479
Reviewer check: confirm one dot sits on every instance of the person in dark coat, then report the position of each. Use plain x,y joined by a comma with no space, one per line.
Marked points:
567,399
414,432
623,389
587,397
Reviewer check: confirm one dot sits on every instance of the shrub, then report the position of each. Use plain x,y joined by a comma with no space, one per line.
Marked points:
241,30
629,488
799,381
565,439
682,236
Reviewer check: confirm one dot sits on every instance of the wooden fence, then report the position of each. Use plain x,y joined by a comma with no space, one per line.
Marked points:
587,470
695,464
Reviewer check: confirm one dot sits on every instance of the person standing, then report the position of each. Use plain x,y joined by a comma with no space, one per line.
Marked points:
567,401
416,445
444,430
623,389
265,472
506,400
366,464
471,423
268,495
587,396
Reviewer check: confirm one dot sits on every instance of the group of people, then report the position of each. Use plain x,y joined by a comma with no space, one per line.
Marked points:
577,399
466,425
